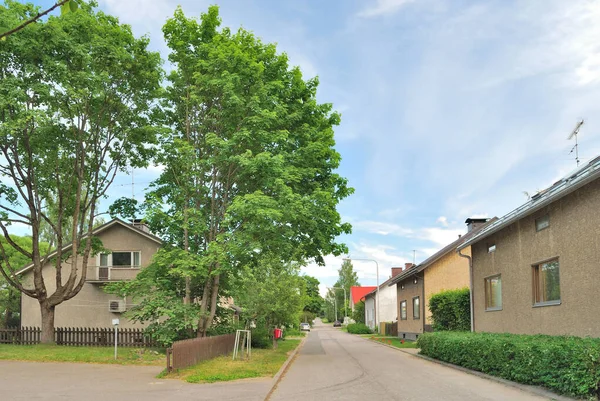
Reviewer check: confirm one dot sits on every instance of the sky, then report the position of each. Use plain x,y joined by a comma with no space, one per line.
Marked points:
450,108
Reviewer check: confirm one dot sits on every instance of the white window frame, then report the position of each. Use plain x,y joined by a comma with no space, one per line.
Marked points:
110,262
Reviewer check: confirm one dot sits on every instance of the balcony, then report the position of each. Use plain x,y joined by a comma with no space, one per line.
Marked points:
109,274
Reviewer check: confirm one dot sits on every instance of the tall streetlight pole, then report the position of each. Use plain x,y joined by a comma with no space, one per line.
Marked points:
345,302
377,293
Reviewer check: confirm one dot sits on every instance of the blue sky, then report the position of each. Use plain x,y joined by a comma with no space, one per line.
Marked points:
450,108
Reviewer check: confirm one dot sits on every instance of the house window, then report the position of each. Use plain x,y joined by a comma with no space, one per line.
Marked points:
416,308
546,283
542,222
121,259
403,310
493,293
491,248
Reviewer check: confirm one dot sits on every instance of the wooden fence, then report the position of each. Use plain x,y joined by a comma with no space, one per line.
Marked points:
189,352
389,329
76,336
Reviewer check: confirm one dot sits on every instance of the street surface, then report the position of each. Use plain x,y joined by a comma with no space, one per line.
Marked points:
334,365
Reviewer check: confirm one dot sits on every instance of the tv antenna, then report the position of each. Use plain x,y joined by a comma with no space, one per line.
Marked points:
574,135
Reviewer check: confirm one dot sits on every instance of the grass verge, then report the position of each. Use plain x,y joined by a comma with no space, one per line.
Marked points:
264,363
58,353
394,342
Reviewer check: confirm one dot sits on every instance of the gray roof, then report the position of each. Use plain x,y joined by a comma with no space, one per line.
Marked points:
439,254
571,182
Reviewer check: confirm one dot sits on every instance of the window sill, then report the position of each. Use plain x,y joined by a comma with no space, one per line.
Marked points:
126,268
493,309
542,304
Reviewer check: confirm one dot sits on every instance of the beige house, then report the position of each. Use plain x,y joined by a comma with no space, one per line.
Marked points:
535,270
132,248
445,270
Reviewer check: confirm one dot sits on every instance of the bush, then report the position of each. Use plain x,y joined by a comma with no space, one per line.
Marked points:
567,365
261,338
450,310
359,328
359,312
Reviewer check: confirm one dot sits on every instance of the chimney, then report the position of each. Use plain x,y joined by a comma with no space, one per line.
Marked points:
140,225
396,271
473,223
408,265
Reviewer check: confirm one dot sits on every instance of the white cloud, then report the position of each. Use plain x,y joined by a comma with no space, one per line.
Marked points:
443,220
383,7
381,228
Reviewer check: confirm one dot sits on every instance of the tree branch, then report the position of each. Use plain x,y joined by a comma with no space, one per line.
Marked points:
32,20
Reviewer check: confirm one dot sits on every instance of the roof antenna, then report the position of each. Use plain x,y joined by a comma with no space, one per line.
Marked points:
574,135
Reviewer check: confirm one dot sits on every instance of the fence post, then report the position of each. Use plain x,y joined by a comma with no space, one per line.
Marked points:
169,352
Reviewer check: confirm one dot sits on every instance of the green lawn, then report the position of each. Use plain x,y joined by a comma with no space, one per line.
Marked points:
393,341
57,353
264,363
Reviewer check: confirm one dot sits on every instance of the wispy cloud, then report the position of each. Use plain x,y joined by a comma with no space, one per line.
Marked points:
383,7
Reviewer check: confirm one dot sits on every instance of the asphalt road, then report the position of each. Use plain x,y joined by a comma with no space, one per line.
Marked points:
334,365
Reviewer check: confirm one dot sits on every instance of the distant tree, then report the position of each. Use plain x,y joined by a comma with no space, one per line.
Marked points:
359,312
347,278
314,301
76,94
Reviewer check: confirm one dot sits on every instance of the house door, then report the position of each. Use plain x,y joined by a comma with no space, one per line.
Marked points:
103,269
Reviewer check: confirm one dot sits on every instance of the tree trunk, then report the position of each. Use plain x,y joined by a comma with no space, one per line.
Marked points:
47,323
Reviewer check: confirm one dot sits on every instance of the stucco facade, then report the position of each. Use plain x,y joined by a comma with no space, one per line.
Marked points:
388,307
370,311
573,239
450,272
407,290
90,307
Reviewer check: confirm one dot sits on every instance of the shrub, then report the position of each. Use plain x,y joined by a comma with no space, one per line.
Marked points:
261,338
567,365
450,310
359,328
359,312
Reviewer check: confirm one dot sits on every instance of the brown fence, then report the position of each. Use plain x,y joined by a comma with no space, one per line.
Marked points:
189,352
389,329
78,336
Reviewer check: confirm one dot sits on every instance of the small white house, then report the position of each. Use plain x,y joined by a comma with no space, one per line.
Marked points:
387,302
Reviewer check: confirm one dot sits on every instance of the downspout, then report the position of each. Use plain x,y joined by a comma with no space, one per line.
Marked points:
470,287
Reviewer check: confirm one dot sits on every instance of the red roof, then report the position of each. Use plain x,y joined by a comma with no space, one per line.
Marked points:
358,293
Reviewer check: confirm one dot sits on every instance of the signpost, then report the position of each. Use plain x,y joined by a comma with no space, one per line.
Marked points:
115,323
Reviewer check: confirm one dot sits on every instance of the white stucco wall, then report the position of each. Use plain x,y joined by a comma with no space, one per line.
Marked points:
370,312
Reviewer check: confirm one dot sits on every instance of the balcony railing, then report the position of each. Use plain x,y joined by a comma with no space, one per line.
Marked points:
105,274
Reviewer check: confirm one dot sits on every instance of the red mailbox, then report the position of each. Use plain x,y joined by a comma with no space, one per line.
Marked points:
277,333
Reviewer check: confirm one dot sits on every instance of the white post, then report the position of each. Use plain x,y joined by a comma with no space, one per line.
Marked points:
116,324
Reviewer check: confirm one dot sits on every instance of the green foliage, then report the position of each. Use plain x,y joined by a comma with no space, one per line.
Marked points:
261,337
359,328
314,301
271,293
567,365
347,278
307,317
359,312
450,310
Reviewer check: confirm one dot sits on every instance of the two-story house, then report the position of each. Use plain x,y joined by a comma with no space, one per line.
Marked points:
132,247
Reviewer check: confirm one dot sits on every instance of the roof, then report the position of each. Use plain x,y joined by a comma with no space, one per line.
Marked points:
358,293
442,252
98,230
571,182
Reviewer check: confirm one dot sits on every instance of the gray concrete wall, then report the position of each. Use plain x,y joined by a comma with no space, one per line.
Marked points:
89,308
574,238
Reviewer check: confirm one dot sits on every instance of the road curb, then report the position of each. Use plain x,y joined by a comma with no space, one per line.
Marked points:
542,392
279,375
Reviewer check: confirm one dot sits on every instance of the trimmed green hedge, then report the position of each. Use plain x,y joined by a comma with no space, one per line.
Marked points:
567,365
359,328
450,310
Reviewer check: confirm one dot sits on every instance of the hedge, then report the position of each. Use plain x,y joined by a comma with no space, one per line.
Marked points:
359,328
567,365
450,310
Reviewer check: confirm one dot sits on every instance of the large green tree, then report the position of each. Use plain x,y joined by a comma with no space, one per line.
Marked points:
76,93
347,278
314,301
249,161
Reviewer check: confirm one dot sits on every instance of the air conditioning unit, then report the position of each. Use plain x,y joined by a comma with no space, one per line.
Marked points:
116,306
